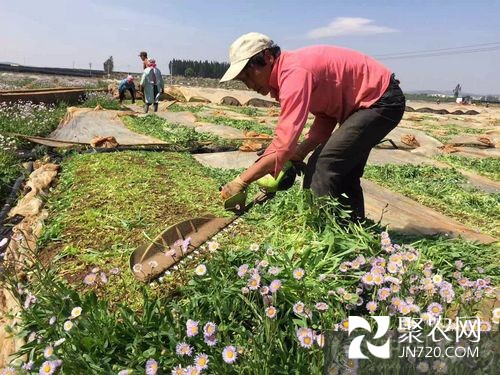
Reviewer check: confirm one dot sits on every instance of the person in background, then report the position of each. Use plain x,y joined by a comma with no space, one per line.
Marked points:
152,85
127,84
144,57
338,86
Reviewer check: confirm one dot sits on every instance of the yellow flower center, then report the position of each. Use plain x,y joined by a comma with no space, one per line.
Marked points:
307,340
202,361
230,354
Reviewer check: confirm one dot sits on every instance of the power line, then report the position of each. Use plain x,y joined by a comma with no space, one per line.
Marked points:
442,51
438,49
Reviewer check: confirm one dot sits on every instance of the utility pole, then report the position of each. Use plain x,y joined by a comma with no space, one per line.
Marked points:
73,65
90,69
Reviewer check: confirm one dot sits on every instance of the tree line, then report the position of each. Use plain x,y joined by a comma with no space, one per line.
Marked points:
197,68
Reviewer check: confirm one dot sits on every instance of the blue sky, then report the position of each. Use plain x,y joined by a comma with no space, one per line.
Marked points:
63,33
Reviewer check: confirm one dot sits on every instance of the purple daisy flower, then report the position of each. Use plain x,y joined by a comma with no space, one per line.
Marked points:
47,368
90,279
242,270
151,367
298,308
344,266
447,294
201,361
275,285
183,349
274,270
28,366
371,307
271,312
321,306
367,278
191,328
185,245
435,309
254,282
210,340
383,294
179,370
192,370
209,329
298,273
306,341
229,354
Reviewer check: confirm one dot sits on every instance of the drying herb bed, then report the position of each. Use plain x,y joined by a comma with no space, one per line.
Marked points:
488,167
181,138
444,189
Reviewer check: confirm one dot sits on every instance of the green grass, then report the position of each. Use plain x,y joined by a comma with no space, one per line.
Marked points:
180,137
245,125
488,167
442,189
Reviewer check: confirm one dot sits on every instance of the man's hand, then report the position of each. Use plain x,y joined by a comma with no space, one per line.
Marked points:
233,188
303,149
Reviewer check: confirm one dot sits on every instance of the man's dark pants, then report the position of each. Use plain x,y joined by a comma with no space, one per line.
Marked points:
122,95
335,168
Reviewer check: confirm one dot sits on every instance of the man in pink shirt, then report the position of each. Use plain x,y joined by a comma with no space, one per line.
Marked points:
336,85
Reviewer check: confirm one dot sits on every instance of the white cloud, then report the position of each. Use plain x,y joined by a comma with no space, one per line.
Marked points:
348,26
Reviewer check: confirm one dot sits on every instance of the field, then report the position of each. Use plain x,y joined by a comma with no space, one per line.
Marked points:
262,297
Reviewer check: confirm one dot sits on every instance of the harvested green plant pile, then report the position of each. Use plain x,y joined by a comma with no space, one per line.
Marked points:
189,108
105,100
106,205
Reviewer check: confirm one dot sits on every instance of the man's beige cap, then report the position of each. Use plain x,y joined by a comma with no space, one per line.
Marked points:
242,49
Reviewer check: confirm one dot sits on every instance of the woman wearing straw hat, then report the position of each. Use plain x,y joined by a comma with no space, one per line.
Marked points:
338,86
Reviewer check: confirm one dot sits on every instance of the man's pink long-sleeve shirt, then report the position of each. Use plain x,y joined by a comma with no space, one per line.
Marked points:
331,83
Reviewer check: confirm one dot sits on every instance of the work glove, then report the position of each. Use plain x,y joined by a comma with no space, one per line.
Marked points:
297,168
233,188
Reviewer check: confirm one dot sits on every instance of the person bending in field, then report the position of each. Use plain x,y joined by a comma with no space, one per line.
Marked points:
127,84
338,86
